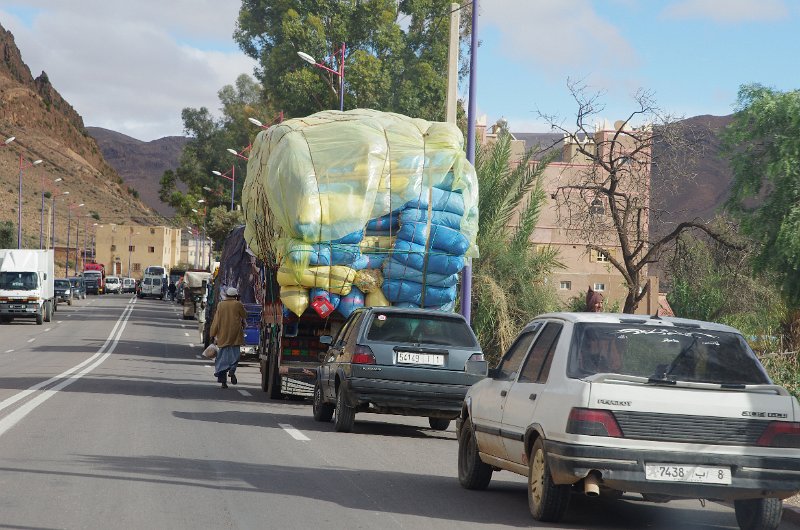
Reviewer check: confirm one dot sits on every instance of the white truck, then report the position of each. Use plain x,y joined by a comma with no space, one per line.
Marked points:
26,285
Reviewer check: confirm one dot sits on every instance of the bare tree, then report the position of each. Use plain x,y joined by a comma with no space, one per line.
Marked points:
603,194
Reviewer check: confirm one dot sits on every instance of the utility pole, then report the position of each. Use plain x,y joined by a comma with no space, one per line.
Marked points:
452,64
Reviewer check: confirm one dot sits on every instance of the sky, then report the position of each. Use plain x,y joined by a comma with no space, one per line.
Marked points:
132,66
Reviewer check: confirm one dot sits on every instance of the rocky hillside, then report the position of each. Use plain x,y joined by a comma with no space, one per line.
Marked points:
46,127
141,164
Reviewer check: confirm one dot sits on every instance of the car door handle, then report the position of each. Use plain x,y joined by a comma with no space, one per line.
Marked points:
503,393
532,397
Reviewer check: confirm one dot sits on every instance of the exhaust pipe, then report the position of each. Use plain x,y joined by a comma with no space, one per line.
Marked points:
591,485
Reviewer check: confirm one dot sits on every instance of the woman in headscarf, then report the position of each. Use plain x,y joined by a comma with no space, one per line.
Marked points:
594,301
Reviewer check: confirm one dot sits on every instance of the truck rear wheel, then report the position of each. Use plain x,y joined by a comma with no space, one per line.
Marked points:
48,316
273,377
40,314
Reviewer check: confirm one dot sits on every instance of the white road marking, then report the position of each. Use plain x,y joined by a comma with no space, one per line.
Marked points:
294,433
63,379
31,340
191,345
9,351
47,329
245,393
183,326
58,321
186,333
69,316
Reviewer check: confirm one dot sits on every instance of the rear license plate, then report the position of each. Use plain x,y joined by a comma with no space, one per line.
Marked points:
404,357
684,473
17,306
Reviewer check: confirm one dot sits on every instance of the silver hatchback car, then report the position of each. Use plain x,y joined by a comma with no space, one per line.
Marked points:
387,360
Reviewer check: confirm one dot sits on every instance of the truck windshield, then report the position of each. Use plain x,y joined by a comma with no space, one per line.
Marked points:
18,281
664,354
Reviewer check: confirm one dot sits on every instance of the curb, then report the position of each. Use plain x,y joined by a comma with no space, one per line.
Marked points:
791,514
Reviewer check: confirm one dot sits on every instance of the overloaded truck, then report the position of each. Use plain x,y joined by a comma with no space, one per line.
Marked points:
26,285
352,209
238,268
195,285
94,278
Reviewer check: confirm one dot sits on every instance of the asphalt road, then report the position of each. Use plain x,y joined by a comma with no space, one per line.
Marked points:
110,419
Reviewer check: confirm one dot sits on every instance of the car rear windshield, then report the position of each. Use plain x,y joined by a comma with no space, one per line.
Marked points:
664,353
421,329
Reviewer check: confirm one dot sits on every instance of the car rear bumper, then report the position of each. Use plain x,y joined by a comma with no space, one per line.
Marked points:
406,397
624,470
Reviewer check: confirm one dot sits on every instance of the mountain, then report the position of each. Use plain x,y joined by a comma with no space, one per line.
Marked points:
47,128
141,164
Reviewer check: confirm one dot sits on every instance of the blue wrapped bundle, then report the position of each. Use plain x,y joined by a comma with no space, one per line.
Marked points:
334,299
324,254
362,262
374,259
408,291
413,255
351,238
414,215
351,302
395,270
442,238
384,223
442,200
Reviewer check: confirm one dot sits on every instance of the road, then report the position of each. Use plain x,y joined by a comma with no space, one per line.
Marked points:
109,418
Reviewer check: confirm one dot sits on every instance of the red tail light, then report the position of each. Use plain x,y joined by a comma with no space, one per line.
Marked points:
363,355
781,434
593,422
476,357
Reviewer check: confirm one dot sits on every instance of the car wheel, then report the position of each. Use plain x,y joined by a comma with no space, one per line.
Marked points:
40,315
345,414
322,411
473,473
758,514
546,500
439,424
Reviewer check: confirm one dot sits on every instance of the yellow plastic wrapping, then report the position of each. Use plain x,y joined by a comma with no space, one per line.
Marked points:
377,243
326,175
295,298
376,299
337,279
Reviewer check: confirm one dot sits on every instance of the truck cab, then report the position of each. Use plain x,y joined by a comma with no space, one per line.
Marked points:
27,285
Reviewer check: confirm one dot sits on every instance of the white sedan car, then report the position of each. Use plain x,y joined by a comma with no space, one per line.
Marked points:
608,403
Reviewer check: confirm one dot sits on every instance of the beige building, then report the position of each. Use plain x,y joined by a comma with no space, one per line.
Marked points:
196,251
126,250
584,268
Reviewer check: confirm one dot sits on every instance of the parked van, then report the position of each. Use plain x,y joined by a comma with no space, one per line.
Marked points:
128,285
152,287
113,284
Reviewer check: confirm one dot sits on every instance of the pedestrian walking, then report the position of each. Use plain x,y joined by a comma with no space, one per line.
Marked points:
172,289
227,328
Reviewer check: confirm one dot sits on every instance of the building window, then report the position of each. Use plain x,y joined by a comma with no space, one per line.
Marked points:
131,248
137,267
597,207
152,230
113,248
566,285
602,257
151,250
599,287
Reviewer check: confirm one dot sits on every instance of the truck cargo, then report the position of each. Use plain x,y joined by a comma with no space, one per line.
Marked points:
195,289
27,285
352,209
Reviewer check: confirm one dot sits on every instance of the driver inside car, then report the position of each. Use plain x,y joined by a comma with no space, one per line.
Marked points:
601,352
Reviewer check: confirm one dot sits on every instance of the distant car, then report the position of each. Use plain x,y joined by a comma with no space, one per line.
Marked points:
603,403
390,360
63,290
78,287
113,285
128,285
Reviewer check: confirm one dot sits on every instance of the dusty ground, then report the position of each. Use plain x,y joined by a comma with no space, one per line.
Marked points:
793,501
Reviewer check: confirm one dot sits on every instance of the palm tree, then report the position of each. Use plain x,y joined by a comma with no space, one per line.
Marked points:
510,276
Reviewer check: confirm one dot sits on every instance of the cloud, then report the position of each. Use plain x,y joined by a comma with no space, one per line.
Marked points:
728,11
133,66
550,34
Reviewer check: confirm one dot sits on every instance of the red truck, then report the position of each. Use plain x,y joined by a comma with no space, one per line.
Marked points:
94,278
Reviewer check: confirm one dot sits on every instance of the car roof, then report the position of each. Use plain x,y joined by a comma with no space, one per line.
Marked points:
412,310
623,318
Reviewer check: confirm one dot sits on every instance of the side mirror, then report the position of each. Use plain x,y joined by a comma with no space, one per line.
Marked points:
326,339
480,368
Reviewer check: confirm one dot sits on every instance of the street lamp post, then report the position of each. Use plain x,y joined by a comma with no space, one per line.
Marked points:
41,223
310,60
69,218
232,178
53,235
466,275
22,165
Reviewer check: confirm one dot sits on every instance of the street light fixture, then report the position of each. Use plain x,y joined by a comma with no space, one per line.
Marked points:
278,119
232,178
41,222
310,60
69,218
22,165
